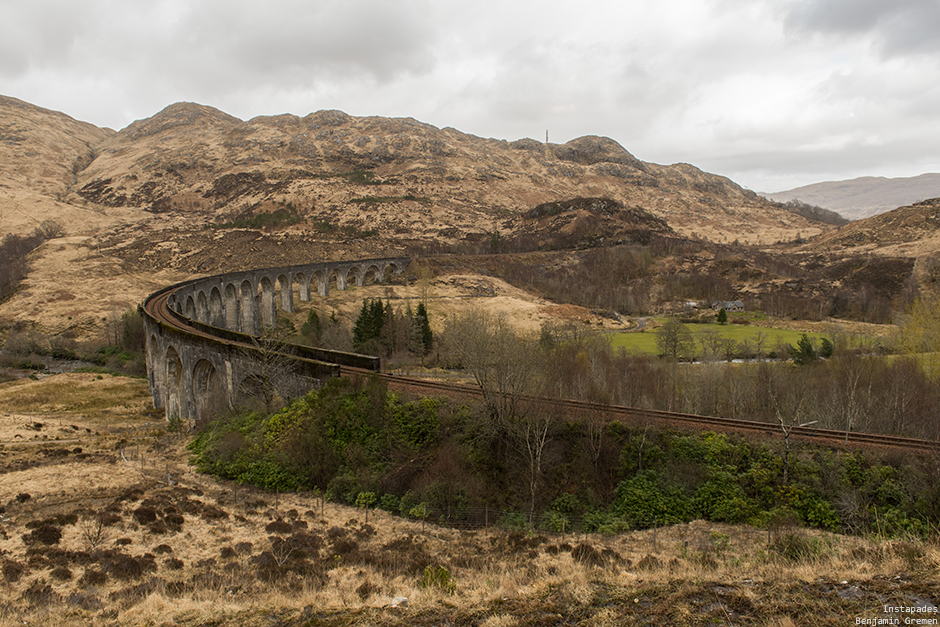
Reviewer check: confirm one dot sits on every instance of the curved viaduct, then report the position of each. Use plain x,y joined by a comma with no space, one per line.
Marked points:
203,353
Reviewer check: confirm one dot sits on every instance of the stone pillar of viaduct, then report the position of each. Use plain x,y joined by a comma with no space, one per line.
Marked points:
201,353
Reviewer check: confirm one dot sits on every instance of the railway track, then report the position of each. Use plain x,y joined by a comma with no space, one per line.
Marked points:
156,306
642,417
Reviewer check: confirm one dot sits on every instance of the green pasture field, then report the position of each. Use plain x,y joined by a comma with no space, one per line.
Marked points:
644,342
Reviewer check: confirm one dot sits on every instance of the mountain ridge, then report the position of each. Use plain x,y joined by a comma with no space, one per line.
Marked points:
192,190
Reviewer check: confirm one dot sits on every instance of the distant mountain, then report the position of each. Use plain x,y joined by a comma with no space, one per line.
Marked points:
866,196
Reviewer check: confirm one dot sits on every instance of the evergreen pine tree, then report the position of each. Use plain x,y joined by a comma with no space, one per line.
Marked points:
369,324
424,326
388,330
360,328
804,353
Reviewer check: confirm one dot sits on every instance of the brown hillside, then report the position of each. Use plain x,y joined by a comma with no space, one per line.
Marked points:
41,153
137,205
192,158
911,231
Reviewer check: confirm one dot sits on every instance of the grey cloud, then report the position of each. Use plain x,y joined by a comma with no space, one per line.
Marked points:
374,37
36,35
899,26
761,82
781,167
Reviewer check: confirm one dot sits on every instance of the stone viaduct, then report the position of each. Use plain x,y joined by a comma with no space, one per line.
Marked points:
204,353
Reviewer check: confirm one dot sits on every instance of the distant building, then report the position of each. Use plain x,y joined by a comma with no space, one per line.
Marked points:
728,305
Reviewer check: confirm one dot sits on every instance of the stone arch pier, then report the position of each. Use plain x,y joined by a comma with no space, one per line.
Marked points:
204,353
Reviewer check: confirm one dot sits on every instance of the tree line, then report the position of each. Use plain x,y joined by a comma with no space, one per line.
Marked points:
15,248
357,443
643,279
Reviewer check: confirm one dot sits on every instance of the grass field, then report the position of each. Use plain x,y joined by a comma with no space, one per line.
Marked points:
94,532
644,342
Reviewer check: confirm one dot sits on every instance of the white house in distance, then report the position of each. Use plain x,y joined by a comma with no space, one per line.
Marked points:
728,305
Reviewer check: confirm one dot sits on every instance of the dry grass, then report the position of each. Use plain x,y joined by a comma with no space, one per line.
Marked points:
193,551
452,294
91,398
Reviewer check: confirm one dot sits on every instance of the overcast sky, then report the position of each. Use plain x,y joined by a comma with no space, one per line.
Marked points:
771,93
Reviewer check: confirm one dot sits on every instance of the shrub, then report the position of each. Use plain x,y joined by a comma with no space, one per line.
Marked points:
642,501
41,593
516,521
93,577
438,577
45,534
556,521
604,522
174,521
307,543
122,566
50,229
588,555
12,570
797,548
390,503
723,500
173,563
344,546
279,526
365,500
244,547
145,515
367,589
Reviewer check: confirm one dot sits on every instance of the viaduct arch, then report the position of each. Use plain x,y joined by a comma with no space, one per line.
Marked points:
203,349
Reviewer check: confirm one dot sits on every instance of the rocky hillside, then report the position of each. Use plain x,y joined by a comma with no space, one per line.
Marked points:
402,178
193,190
41,152
912,231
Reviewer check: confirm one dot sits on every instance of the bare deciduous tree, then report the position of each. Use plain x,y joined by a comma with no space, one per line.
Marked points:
508,369
674,340
50,229
93,529
504,365
790,402
271,363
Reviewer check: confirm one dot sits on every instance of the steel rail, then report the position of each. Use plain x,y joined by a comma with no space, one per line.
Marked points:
666,418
